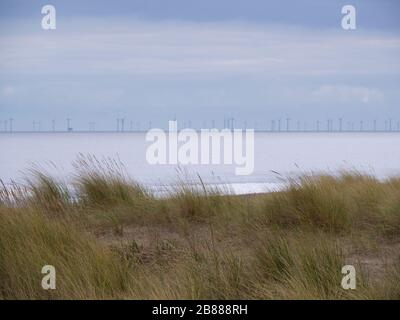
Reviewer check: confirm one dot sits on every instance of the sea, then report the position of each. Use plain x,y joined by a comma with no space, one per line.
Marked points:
278,156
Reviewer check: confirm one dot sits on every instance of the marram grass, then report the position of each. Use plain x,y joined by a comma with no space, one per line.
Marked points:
109,238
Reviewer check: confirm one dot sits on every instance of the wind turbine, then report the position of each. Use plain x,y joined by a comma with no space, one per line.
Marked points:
11,123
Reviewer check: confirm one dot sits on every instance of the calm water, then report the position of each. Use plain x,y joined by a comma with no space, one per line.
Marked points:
275,154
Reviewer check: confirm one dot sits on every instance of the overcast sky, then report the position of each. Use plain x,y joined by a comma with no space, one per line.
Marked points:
254,60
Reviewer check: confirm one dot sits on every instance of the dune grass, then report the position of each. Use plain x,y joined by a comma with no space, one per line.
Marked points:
110,238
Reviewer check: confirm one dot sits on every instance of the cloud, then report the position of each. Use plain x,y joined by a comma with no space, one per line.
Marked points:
93,46
108,68
347,94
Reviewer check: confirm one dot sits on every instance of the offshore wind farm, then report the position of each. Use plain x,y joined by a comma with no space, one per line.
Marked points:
273,125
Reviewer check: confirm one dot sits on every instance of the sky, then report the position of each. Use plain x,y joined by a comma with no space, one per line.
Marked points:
198,61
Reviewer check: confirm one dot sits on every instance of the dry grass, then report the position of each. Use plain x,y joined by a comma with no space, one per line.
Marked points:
110,238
